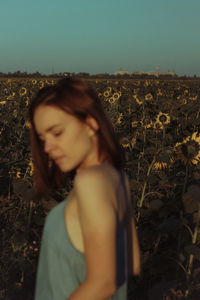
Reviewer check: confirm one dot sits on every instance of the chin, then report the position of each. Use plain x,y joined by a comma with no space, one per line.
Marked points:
66,168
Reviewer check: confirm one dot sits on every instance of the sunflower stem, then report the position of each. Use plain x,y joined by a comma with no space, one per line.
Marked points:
194,240
144,139
186,177
140,203
163,139
143,118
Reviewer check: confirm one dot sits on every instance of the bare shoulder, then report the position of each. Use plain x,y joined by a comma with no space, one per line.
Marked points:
99,176
103,183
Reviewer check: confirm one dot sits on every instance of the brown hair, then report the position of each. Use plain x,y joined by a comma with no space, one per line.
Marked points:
78,98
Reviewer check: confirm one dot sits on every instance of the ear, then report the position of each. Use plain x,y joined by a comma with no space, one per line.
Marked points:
93,125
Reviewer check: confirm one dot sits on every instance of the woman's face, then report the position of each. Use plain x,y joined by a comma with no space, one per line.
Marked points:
68,141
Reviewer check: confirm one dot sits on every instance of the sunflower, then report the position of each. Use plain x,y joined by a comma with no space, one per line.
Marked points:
148,97
31,166
11,96
18,173
125,142
164,159
15,113
158,125
41,84
2,102
137,100
133,142
137,82
49,81
146,123
119,118
111,100
159,92
161,119
116,96
159,165
108,89
134,124
23,91
34,81
194,98
188,151
27,124
106,94
27,101
6,91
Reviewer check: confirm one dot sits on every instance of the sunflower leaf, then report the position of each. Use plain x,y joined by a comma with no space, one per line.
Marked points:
170,225
194,192
135,185
190,205
156,204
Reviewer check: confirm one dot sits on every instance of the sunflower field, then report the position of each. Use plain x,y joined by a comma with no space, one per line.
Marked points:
158,124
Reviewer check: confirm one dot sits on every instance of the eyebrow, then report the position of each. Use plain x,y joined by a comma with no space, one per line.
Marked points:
50,128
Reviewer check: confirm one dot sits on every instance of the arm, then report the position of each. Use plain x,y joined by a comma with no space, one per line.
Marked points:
134,259
134,265
98,224
90,291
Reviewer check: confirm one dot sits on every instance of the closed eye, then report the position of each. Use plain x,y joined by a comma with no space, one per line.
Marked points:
55,134
58,133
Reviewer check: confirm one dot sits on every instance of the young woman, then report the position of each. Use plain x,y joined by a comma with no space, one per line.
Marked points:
89,243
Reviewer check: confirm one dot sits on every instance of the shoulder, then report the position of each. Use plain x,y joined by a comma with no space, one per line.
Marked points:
95,186
96,177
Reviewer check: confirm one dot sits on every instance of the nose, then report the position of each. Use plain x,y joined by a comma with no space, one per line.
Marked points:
49,145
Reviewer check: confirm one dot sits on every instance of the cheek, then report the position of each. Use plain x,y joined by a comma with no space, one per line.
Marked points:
75,136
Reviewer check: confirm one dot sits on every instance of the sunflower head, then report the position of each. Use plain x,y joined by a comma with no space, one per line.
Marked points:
163,118
148,97
108,89
116,96
189,150
2,102
137,100
146,123
160,165
193,98
158,125
159,92
106,94
124,141
119,118
28,124
134,124
163,159
111,100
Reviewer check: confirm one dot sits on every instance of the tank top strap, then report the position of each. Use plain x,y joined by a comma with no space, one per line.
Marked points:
122,173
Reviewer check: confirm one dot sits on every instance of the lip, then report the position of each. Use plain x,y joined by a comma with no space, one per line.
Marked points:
58,159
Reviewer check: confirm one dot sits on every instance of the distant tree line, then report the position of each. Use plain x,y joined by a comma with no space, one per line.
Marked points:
19,74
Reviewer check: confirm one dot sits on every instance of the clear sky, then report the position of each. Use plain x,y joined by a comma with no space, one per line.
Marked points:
100,36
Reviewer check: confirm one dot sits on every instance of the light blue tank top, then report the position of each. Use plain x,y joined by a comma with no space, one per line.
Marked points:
62,267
